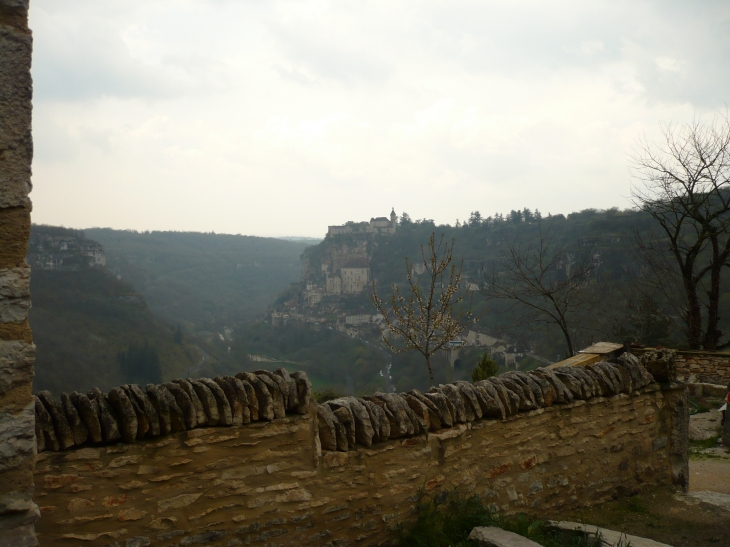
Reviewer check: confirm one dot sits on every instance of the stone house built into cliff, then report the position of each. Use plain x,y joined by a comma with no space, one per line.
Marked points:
355,279
333,284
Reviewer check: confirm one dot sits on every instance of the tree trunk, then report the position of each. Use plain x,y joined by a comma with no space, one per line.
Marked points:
712,335
564,327
694,315
430,370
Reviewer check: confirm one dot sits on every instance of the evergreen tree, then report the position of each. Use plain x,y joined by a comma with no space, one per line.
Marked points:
486,368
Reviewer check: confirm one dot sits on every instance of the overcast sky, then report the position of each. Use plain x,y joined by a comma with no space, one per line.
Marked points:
279,118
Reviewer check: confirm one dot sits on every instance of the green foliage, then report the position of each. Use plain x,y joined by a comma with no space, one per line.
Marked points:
408,371
635,506
704,444
178,338
330,358
202,280
140,364
644,320
326,394
82,320
480,244
486,368
449,518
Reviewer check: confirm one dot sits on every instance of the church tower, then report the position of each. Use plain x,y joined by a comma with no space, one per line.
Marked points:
393,219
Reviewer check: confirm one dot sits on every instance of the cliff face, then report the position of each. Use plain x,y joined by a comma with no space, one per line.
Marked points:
83,316
334,253
60,249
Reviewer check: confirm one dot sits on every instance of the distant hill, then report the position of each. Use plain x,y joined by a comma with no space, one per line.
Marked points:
90,328
202,281
617,312
309,240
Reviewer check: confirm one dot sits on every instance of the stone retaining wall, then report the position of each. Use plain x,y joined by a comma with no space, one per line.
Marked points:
17,352
318,475
705,367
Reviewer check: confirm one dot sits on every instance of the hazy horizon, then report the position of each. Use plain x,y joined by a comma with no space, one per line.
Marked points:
279,118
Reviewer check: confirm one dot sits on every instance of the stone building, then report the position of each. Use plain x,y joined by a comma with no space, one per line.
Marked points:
352,278
379,225
17,351
355,276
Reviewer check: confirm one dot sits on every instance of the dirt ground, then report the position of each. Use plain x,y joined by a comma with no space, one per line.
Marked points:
709,474
697,519
662,515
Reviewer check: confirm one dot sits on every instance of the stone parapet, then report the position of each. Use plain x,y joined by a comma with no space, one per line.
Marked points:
270,482
130,413
350,470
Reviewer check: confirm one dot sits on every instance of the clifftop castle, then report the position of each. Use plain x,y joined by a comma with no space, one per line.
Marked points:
379,225
341,266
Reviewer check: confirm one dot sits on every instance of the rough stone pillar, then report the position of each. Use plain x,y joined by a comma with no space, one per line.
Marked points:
676,405
17,352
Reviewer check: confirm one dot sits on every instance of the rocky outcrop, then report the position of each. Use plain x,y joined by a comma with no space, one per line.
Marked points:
130,412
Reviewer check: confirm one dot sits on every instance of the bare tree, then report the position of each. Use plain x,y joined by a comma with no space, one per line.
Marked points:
684,184
546,278
431,316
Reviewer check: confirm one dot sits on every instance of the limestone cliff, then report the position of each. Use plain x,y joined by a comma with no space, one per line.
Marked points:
62,249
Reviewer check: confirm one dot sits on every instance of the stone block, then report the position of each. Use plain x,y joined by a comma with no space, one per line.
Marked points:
17,436
15,113
490,536
17,501
183,500
14,294
205,537
22,536
15,520
16,364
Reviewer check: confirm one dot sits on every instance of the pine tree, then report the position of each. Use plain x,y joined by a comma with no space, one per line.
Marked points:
486,368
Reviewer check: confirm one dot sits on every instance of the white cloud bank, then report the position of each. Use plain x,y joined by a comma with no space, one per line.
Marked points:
278,118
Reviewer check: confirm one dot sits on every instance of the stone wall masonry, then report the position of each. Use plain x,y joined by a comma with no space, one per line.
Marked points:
17,352
273,481
695,366
704,367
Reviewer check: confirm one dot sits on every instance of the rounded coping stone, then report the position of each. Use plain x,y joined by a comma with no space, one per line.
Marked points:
208,400
60,423
78,428
88,414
